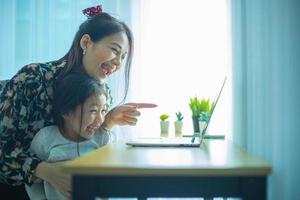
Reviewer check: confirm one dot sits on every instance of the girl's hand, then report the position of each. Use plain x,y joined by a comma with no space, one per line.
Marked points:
52,173
125,114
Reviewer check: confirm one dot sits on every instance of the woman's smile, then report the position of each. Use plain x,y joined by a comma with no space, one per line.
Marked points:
107,69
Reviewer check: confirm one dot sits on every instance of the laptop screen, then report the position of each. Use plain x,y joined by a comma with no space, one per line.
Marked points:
214,104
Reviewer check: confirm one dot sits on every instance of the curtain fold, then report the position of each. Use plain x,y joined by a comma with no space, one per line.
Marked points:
266,49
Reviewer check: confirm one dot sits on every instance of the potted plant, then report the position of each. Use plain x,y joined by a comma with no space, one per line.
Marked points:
199,108
178,124
164,125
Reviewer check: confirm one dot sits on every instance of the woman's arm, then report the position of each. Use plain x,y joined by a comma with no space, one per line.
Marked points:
16,162
52,173
24,109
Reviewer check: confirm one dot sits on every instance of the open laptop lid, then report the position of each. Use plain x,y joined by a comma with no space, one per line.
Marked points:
214,104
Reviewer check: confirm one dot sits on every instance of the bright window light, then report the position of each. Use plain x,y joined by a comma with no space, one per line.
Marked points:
182,51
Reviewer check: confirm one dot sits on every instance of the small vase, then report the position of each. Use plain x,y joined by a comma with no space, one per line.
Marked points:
178,128
196,124
164,128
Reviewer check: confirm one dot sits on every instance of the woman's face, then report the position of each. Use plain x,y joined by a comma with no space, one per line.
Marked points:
106,56
93,114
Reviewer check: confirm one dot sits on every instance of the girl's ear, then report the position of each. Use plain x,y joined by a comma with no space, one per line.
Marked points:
85,41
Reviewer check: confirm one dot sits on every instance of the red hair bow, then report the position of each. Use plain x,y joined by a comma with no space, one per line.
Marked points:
92,11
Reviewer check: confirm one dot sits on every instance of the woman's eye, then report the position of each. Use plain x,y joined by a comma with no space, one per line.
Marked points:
115,51
123,57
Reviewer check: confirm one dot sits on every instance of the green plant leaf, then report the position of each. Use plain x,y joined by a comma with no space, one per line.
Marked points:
179,116
198,106
164,117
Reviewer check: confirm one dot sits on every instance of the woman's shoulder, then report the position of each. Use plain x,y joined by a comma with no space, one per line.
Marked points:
34,78
45,70
36,74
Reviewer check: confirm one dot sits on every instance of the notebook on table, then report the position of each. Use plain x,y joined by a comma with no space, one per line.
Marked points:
176,142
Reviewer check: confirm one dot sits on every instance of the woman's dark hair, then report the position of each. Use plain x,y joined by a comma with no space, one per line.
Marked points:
72,91
98,27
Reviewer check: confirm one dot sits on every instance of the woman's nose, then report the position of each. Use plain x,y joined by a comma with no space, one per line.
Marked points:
117,61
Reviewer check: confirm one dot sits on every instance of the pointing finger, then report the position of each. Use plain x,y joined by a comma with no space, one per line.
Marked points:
142,105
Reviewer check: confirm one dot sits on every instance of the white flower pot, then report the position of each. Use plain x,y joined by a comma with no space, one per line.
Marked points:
178,128
164,128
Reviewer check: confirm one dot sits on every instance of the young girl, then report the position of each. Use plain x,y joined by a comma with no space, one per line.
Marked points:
79,110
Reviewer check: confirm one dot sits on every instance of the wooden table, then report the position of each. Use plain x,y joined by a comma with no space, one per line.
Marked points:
217,169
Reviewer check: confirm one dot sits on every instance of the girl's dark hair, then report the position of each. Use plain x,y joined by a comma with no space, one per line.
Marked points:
72,91
98,27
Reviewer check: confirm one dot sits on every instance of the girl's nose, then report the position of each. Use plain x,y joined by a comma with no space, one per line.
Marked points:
98,121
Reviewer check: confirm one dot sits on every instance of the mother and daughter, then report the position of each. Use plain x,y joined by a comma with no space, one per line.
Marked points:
59,110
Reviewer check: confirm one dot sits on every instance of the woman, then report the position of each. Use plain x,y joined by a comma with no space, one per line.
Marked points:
100,47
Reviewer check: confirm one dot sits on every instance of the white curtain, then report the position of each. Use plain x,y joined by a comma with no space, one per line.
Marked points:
182,51
266,98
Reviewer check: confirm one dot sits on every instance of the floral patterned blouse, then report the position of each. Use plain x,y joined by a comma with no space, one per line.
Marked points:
25,108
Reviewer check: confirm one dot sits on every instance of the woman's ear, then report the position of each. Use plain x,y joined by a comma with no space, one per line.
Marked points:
85,41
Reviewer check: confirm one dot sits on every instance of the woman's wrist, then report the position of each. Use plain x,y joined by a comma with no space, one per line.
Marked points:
40,170
107,124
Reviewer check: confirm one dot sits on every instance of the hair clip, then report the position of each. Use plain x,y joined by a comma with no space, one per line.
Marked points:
92,11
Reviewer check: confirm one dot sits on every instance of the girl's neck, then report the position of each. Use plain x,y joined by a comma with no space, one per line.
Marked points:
69,135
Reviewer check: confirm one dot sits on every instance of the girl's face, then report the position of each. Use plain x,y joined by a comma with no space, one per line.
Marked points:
93,114
106,56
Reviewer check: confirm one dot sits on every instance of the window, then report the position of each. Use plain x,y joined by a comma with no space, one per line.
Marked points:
182,51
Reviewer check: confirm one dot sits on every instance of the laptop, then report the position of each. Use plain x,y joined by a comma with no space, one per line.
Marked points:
195,141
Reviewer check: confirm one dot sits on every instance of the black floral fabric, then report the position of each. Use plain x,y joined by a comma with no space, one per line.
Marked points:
2,84
25,107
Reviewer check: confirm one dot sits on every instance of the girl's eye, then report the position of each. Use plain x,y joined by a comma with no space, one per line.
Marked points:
103,111
93,111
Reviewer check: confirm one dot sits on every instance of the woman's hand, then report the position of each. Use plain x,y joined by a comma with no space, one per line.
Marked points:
125,114
52,173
